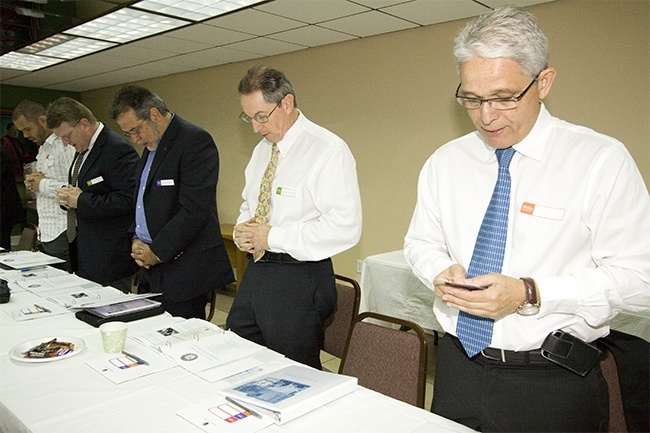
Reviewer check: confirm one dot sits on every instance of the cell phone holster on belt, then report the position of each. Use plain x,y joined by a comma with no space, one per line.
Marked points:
570,352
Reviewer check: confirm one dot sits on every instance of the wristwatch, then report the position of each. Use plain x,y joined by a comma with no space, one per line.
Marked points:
531,305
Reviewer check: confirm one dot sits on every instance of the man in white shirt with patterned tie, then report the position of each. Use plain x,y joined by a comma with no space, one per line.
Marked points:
577,245
52,164
286,295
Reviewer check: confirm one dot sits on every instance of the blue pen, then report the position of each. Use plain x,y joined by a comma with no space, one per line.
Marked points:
33,269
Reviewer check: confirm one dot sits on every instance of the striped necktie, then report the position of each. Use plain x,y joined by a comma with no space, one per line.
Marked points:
72,213
262,213
473,331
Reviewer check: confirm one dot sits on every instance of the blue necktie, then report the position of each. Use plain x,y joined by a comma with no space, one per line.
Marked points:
473,331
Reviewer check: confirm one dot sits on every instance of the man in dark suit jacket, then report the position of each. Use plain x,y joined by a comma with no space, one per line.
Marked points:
101,198
177,239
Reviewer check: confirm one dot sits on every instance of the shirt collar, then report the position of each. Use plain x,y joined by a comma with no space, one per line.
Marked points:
292,133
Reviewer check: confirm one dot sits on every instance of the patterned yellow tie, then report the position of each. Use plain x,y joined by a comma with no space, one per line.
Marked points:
72,213
264,201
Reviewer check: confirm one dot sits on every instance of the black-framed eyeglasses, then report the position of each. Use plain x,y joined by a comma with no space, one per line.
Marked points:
134,131
68,136
501,104
259,118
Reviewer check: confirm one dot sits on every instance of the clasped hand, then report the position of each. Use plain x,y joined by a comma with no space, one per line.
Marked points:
251,237
142,254
501,297
33,180
68,196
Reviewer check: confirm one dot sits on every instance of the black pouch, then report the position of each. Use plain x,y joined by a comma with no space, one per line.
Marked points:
95,320
570,352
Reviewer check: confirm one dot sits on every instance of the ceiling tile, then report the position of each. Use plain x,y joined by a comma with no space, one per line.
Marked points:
265,47
255,22
312,36
207,34
378,4
212,57
368,24
316,11
426,12
159,48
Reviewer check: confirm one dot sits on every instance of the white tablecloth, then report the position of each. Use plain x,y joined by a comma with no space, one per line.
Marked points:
68,396
388,286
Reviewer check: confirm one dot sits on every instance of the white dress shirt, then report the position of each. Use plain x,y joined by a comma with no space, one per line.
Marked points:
53,160
315,200
579,225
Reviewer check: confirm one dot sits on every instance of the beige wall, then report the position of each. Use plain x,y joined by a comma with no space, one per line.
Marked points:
391,98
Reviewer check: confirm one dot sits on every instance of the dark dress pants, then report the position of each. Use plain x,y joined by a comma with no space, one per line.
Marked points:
283,306
490,395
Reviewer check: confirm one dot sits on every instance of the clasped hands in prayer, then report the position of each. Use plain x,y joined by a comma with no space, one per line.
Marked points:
33,180
252,237
68,196
142,254
502,297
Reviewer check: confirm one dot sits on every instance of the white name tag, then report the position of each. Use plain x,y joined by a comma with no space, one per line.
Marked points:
165,182
95,181
537,210
285,192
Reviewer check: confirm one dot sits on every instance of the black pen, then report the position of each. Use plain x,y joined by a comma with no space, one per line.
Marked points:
42,309
137,359
242,407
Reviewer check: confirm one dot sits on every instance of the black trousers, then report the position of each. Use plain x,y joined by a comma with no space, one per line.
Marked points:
188,309
490,395
283,306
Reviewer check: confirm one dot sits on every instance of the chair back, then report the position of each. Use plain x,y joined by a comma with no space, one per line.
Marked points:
338,326
27,239
386,359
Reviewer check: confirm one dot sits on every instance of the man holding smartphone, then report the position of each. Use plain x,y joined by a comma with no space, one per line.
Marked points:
553,223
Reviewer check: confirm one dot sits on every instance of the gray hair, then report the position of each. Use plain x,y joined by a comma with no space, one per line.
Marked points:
139,99
272,82
506,32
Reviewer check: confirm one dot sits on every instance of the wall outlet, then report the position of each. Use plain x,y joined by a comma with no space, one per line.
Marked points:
359,266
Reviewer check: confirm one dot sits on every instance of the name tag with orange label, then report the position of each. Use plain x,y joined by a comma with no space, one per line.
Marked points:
537,210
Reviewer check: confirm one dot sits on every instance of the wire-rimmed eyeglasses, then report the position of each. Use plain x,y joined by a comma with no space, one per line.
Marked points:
508,103
259,118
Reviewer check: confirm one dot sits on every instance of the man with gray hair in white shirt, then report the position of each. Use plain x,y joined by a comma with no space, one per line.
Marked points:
52,164
533,233
301,206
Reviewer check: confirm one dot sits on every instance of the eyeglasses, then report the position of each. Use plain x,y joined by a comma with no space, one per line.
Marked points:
501,104
67,137
259,118
134,131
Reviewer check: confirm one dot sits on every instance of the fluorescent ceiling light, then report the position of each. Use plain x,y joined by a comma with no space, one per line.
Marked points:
66,47
126,25
196,10
26,62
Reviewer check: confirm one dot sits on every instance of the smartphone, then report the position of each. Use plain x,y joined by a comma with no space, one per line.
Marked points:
465,286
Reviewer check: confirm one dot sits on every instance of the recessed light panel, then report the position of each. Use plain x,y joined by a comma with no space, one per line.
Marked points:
126,25
26,62
196,10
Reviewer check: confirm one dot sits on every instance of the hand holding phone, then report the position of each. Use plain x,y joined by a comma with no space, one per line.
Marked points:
465,286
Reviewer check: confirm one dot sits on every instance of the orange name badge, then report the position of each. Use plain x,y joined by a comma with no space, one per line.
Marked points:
540,211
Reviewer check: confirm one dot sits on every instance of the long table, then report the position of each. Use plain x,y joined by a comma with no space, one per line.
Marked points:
68,396
388,286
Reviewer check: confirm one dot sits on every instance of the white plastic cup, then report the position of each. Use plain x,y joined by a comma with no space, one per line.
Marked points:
113,336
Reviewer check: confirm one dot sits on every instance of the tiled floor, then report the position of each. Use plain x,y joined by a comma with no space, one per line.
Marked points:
224,301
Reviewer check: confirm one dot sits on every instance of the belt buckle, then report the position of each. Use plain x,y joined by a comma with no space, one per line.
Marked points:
502,359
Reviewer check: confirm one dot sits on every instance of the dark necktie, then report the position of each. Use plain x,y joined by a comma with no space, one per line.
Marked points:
72,213
476,332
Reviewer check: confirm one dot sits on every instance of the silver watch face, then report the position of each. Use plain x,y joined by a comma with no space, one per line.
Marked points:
528,309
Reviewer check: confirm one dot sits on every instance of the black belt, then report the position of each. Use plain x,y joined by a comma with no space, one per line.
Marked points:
270,257
526,356
500,355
